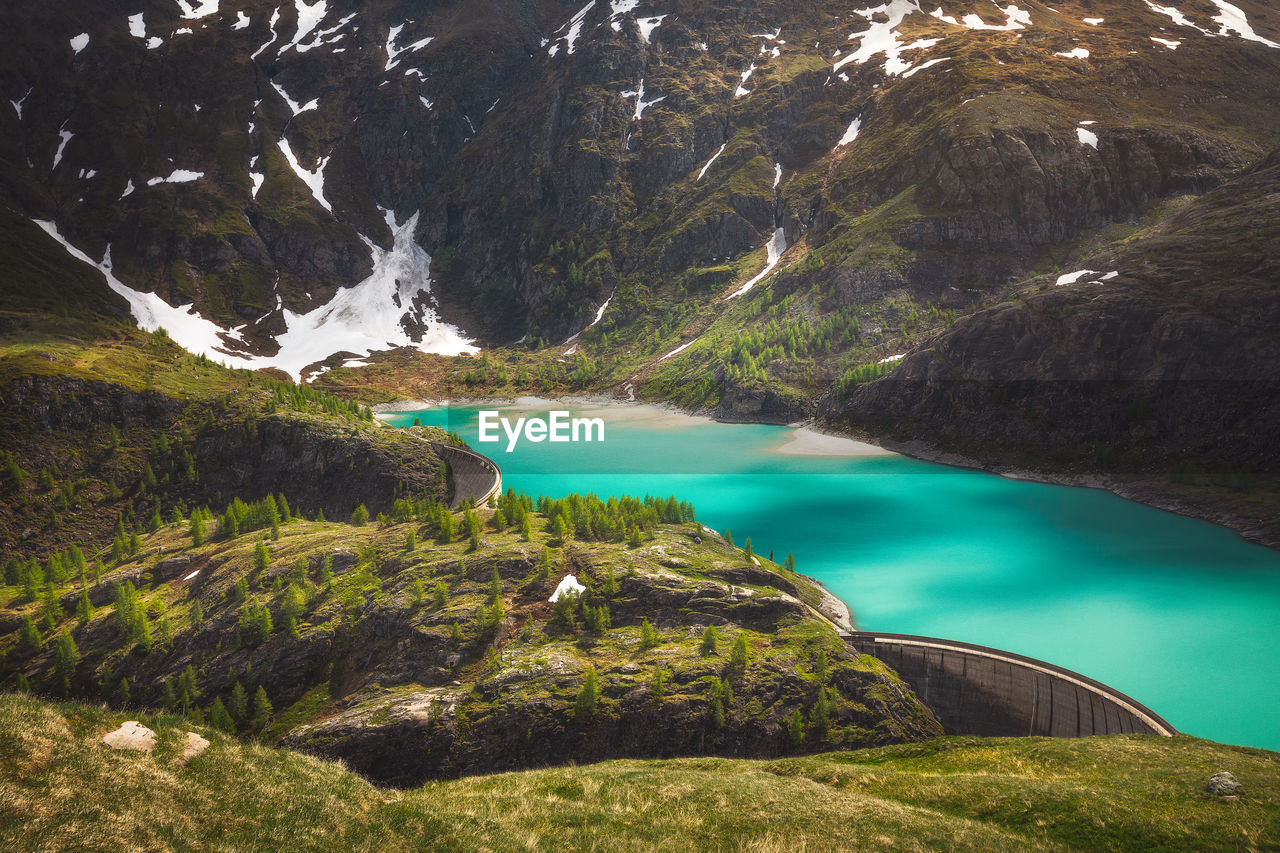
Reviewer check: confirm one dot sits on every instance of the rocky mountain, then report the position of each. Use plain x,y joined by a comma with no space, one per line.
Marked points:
746,208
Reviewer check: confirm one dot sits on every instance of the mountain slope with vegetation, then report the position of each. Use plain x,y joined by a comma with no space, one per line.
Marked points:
1119,792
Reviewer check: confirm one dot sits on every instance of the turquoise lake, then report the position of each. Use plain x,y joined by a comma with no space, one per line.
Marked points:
1180,614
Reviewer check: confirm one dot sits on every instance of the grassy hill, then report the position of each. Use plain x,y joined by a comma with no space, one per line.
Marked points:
61,789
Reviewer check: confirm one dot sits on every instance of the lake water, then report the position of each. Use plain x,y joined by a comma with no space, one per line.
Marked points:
1182,615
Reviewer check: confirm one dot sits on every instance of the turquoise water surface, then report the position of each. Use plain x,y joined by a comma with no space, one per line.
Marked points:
1180,614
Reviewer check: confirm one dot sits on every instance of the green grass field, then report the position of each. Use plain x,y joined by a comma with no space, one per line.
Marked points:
60,789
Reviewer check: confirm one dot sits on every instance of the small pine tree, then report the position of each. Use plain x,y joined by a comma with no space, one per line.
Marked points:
220,718
559,531
84,608
738,657
747,549
526,528
187,683
360,517
156,521
275,531
326,569
262,709
498,520
610,585
286,514
795,728
66,659
410,541
122,694
709,638
791,562
197,614
261,557
417,592
585,706
168,697
473,542
447,529
728,537
649,636
820,714
658,684
821,668
455,632
238,703
633,537
197,529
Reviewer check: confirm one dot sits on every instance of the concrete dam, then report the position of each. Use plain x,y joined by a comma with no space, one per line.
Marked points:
976,690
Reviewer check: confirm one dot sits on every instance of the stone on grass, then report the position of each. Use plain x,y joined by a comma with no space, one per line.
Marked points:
195,746
131,735
1224,784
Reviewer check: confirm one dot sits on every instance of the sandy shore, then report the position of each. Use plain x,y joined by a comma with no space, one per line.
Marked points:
809,442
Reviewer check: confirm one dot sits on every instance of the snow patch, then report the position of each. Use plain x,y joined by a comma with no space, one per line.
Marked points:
1233,20
137,28
17,105
714,157
1093,22
294,107
647,26
1174,15
892,358
313,178
881,37
923,66
62,146
1087,137
1089,276
309,17
575,29
1074,53
850,134
154,42
641,103
773,249
128,189
275,19
1169,43
189,330
79,43
569,585
242,21
178,176
190,576
777,176
679,349
194,11
371,315
393,51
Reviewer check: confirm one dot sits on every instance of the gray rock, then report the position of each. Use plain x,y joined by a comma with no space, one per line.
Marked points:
1224,784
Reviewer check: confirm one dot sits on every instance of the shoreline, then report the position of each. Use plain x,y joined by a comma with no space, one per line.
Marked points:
812,438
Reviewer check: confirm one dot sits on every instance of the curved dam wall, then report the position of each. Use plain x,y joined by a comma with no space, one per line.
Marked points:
475,477
977,690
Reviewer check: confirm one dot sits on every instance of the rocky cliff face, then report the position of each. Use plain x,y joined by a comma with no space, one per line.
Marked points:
557,154
111,451
1152,361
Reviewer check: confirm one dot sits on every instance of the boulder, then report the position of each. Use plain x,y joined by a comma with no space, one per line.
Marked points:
1224,784
131,735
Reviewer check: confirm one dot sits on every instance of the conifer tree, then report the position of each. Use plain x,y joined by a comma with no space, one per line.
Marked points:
633,537
286,513
473,543
791,562
738,657
411,541
747,549
440,593
187,683
122,695
84,607
360,517
51,608
220,718
326,569
197,530
795,728
649,636
708,645
29,639
261,557
658,684
455,633
526,528
585,706
820,714
168,698
559,531
238,703
156,521
262,709
135,544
